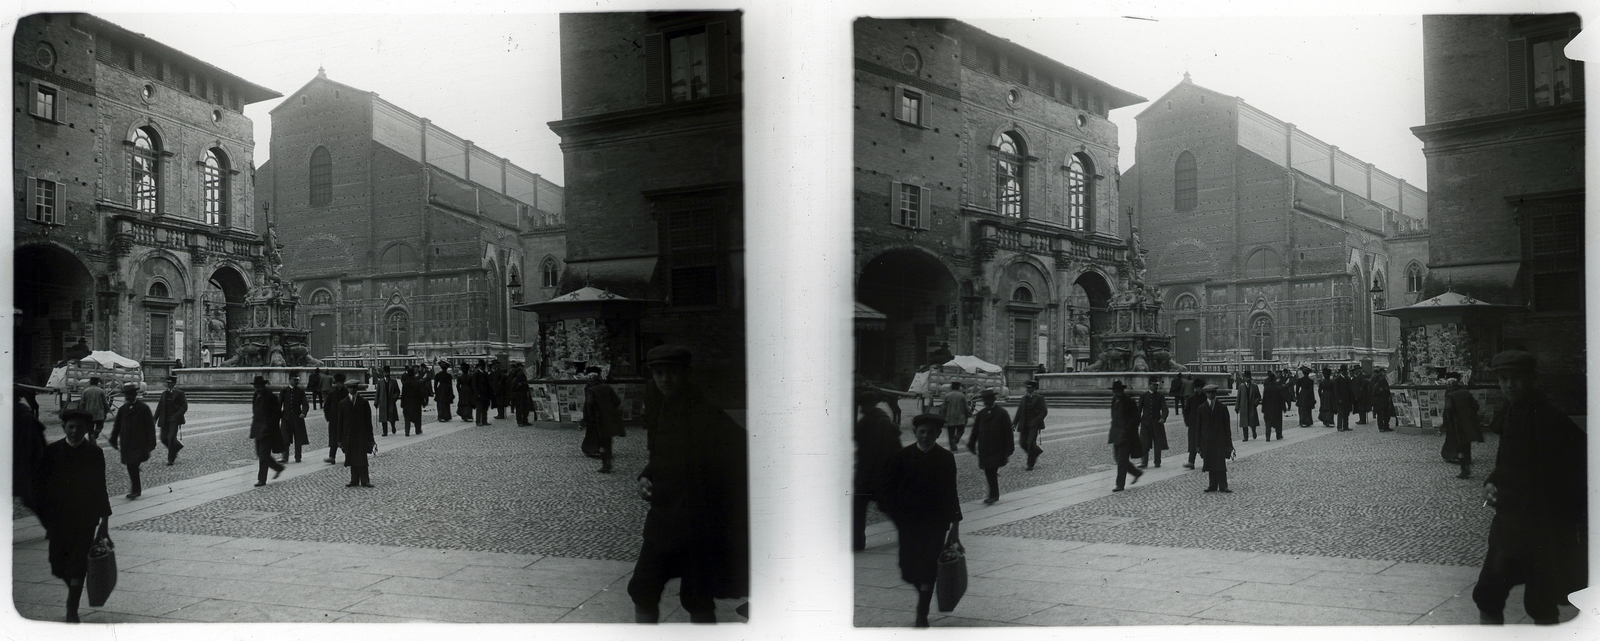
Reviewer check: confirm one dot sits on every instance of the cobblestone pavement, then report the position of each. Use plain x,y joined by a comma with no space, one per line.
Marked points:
1360,495
500,488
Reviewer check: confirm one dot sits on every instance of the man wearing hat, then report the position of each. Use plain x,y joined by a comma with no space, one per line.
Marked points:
1193,418
332,409
1124,436
1382,400
98,404
443,393
1305,396
314,387
266,412
991,431
293,410
388,396
482,392
170,410
1216,440
696,482
466,395
1152,423
1273,400
1029,421
1344,396
413,396
602,417
355,434
955,414
1539,491
1461,424
1326,394
134,434
499,386
1249,398
521,401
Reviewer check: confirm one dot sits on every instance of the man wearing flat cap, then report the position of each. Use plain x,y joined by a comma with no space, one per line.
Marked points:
134,434
1461,427
602,417
95,401
1216,440
266,414
1029,421
1539,491
698,524
170,410
292,418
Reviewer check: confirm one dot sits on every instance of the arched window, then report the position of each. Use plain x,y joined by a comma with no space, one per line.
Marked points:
1413,278
1079,195
549,273
322,297
1184,191
158,289
1261,337
146,163
1008,175
1022,295
321,177
214,187
398,326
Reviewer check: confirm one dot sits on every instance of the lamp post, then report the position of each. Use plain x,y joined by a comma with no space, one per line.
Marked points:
1377,305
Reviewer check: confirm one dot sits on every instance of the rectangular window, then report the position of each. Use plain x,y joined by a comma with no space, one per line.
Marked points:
689,64
692,246
158,336
44,102
1553,249
908,106
1022,340
911,205
42,200
686,64
1539,74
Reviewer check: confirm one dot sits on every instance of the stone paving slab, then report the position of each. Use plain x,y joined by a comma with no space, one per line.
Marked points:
1319,563
385,566
1402,602
217,611
1079,615
1274,613
533,576
287,576
1173,582
1226,571
480,591
432,608
1443,587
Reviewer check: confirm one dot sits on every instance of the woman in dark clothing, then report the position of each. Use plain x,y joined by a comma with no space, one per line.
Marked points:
71,483
877,439
991,430
920,488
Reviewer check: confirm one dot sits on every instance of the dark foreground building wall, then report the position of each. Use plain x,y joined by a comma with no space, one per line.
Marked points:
651,117
1504,142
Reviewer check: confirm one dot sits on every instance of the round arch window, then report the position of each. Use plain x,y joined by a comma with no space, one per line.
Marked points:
45,55
910,60
158,289
216,116
1022,295
148,92
1013,96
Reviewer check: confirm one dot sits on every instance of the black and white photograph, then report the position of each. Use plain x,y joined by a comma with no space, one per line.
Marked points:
378,318
1320,279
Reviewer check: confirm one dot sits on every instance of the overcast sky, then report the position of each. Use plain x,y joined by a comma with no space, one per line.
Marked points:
1355,82
492,79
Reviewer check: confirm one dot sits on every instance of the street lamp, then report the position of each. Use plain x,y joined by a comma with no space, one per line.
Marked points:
515,287
1377,305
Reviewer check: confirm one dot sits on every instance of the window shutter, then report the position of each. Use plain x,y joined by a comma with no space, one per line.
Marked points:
33,188
1578,75
654,70
922,214
33,98
58,208
894,203
1517,73
717,57
899,99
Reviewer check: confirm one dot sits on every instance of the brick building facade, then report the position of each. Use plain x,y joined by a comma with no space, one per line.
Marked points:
651,130
985,201
402,237
134,191
1264,240
1504,140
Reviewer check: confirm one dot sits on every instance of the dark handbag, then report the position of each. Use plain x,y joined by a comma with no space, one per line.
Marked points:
102,576
951,583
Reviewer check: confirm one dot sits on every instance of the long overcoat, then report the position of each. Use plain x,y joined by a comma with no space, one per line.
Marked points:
1344,394
1249,398
1361,386
920,489
1330,399
1216,436
355,429
71,483
331,408
1382,399
1192,419
443,391
413,395
134,432
1461,416
1541,476
1125,423
293,409
602,415
388,396
266,417
1273,398
170,411
1153,421
498,387
1305,392
991,430
877,438
465,389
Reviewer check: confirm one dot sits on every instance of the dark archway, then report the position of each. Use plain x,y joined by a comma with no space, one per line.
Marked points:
225,312
1089,302
919,297
54,299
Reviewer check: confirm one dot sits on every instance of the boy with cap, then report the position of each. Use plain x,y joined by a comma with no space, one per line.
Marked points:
602,416
72,503
134,434
1539,490
1152,423
293,410
1029,421
696,482
1461,426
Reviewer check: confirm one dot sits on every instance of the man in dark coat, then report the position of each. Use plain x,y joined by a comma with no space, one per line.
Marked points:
1176,391
482,391
413,396
444,392
697,484
1152,423
314,389
355,434
70,482
1326,394
134,433
266,414
293,410
1124,436
1273,401
602,418
1460,424
1539,491
1305,396
466,393
1361,385
991,431
954,410
1216,440
95,401
1192,419
498,386
1382,400
387,393
920,490
1029,421
877,438
170,411
1344,396
521,401
1248,399
331,409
